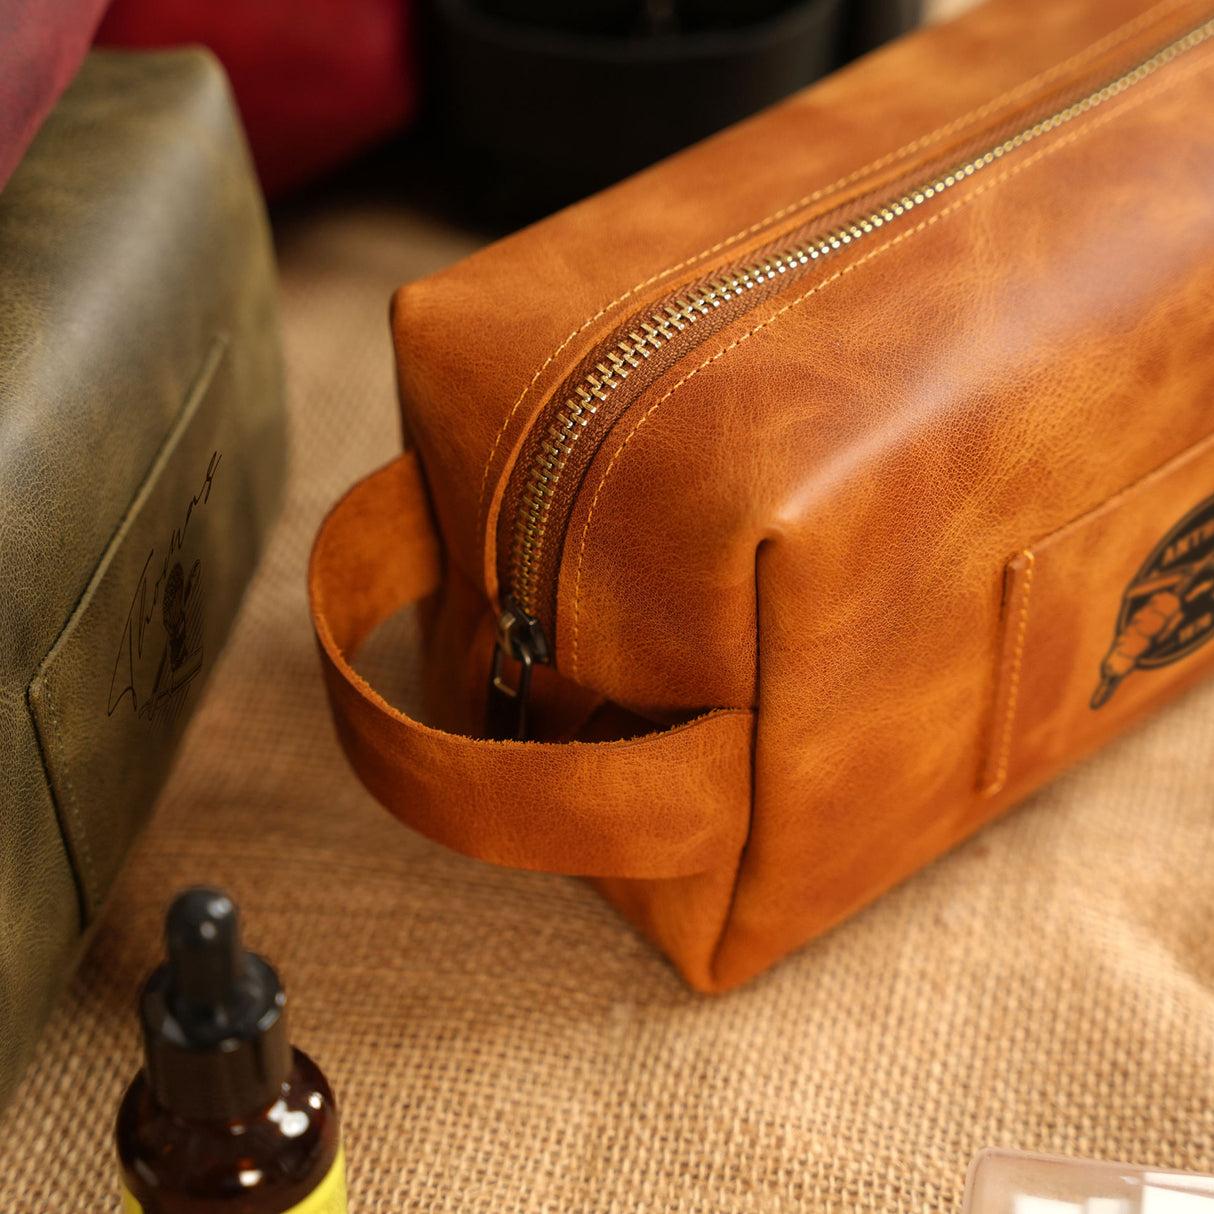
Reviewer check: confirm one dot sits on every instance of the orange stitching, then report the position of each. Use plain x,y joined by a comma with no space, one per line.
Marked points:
1013,692
1139,97
716,248
1109,40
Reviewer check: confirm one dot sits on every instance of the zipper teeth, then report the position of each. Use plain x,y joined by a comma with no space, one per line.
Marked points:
664,325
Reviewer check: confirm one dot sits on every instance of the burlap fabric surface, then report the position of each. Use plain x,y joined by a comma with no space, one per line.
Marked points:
501,1042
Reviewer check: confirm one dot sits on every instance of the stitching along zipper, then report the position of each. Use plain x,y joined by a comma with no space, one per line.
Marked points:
521,635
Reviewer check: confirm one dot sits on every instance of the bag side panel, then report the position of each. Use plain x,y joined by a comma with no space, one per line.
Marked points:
156,243
1035,354
878,449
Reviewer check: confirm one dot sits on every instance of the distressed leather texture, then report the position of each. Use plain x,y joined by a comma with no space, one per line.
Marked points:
142,440
819,514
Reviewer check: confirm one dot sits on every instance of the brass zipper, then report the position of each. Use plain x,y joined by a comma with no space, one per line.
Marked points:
521,634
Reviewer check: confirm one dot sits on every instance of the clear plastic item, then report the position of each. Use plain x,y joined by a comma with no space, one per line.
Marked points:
1012,1182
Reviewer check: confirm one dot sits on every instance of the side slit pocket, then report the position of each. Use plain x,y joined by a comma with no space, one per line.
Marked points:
1103,620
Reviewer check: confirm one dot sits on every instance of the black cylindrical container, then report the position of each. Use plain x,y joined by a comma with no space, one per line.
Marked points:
541,104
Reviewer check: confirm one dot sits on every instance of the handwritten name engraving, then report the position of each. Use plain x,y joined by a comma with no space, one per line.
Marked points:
164,583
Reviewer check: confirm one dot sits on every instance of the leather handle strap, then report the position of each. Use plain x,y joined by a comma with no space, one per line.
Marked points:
665,805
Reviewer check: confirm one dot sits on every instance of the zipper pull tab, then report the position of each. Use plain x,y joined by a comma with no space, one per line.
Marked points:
520,637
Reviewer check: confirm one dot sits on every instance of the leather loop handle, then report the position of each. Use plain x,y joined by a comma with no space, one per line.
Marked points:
665,805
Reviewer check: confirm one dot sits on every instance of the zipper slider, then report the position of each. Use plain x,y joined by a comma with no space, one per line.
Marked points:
520,637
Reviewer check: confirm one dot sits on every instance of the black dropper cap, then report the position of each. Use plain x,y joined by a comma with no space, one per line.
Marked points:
214,1021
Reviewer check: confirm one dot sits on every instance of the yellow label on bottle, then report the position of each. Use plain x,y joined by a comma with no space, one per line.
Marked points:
329,1197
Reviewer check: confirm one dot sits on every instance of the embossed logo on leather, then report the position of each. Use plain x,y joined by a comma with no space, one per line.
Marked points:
161,650
1168,609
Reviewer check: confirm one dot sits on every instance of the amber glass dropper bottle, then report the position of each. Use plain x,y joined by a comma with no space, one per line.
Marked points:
225,1117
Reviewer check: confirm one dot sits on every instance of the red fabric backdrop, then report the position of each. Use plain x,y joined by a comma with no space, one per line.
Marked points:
317,80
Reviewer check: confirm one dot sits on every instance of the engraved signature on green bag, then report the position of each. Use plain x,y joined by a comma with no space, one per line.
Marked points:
154,666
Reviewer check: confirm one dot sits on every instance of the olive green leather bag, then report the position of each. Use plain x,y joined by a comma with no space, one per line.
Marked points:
141,466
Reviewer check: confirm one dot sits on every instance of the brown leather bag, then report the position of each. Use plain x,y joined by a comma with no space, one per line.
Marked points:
823,490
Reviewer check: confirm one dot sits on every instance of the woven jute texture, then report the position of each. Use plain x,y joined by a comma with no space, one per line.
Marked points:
501,1042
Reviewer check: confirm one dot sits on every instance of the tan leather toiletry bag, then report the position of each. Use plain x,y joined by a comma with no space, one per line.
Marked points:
810,498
